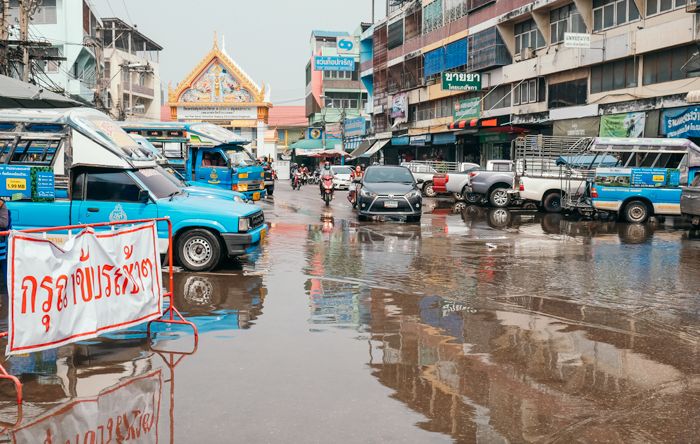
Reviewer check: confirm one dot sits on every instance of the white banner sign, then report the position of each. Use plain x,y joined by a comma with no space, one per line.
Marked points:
575,40
128,412
95,283
217,112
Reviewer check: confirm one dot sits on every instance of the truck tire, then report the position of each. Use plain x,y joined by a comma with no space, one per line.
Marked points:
270,191
636,212
472,198
199,250
499,197
458,196
552,203
428,190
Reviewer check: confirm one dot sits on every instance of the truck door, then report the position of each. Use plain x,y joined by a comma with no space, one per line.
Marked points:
213,169
113,196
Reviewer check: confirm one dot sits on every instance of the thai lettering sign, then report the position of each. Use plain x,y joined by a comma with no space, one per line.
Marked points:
466,109
95,283
355,127
325,63
638,177
461,81
681,122
128,412
576,40
217,112
25,182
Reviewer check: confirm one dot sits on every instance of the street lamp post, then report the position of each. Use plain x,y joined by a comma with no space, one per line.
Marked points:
323,117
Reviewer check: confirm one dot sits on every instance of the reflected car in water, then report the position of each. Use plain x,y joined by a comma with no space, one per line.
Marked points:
389,191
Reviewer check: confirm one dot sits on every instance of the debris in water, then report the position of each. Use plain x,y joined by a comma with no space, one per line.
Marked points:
491,246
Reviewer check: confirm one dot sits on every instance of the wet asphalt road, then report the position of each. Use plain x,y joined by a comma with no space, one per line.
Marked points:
386,331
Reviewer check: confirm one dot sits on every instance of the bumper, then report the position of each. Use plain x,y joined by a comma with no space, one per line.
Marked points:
341,186
255,195
241,243
376,207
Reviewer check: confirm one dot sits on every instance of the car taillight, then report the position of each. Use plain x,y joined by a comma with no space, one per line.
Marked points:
594,192
473,175
522,187
447,178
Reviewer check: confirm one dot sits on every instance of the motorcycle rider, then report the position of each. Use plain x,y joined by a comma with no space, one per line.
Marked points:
325,172
357,173
295,169
304,174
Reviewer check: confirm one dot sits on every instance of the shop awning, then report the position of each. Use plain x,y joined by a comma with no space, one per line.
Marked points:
490,122
313,144
375,148
17,94
364,146
693,97
335,152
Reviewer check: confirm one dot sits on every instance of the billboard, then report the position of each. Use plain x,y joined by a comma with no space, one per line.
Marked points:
467,109
623,125
355,127
399,103
325,63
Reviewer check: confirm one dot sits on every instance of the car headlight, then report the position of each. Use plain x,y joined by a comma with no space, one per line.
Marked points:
243,224
366,193
238,199
414,193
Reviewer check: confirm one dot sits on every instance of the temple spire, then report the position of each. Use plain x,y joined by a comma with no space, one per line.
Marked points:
216,41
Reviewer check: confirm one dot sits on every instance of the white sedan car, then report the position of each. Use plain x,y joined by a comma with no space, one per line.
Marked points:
341,181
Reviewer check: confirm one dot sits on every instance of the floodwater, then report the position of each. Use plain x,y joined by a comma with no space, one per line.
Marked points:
560,331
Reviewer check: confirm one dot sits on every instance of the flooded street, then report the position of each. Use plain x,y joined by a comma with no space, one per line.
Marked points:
337,331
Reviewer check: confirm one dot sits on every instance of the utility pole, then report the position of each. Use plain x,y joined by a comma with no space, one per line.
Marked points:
323,118
99,104
373,12
387,8
4,36
342,135
24,6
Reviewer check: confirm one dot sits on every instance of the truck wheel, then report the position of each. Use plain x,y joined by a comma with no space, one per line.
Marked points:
499,197
458,196
428,190
636,212
199,250
270,191
552,203
472,198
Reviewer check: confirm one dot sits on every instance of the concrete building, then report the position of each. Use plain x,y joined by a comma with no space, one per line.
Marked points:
131,76
70,26
631,80
346,94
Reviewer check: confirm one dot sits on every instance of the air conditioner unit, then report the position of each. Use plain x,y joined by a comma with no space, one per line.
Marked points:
430,82
528,53
422,81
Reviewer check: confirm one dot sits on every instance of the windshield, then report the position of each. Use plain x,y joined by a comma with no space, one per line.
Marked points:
157,183
173,176
240,158
388,175
342,170
215,132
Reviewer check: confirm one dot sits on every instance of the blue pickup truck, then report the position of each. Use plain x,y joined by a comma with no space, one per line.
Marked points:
207,154
101,174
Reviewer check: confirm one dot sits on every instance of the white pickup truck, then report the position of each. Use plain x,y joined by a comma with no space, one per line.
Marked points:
543,181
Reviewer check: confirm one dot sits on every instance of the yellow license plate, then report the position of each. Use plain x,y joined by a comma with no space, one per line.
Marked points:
256,196
243,187
262,235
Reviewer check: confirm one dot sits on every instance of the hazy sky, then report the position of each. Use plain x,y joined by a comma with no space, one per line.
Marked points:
269,39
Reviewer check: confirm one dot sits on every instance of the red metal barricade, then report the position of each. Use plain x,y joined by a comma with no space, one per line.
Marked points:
170,315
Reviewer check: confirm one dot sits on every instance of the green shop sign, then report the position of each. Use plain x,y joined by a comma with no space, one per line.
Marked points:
461,81
493,138
466,109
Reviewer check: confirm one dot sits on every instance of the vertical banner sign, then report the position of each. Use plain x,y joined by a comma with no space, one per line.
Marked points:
461,81
399,102
98,282
128,412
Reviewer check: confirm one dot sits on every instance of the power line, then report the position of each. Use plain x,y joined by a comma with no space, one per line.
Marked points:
127,12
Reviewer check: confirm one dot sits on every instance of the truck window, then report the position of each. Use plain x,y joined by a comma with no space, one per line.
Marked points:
240,158
78,187
501,167
213,160
112,187
157,183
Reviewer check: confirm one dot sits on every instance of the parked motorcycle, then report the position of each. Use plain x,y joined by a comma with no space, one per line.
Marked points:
296,181
328,189
354,193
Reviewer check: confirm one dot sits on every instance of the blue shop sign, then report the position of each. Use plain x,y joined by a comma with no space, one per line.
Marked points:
355,127
324,63
399,141
25,182
681,123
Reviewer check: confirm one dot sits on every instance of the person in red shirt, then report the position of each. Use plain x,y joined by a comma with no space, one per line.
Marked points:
358,173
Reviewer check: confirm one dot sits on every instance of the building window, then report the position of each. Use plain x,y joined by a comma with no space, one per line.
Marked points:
664,66
659,6
308,73
528,36
364,100
108,71
395,38
498,98
444,107
422,111
45,13
610,13
341,100
563,20
432,16
126,75
455,9
338,75
529,91
568,93
614,75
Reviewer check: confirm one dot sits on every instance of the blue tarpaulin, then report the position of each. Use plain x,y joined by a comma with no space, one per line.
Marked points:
584,161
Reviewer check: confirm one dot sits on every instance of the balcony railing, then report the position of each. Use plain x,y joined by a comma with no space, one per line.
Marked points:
139,89
473,4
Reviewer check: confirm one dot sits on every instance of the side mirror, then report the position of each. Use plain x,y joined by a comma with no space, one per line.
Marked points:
420,181
143,195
